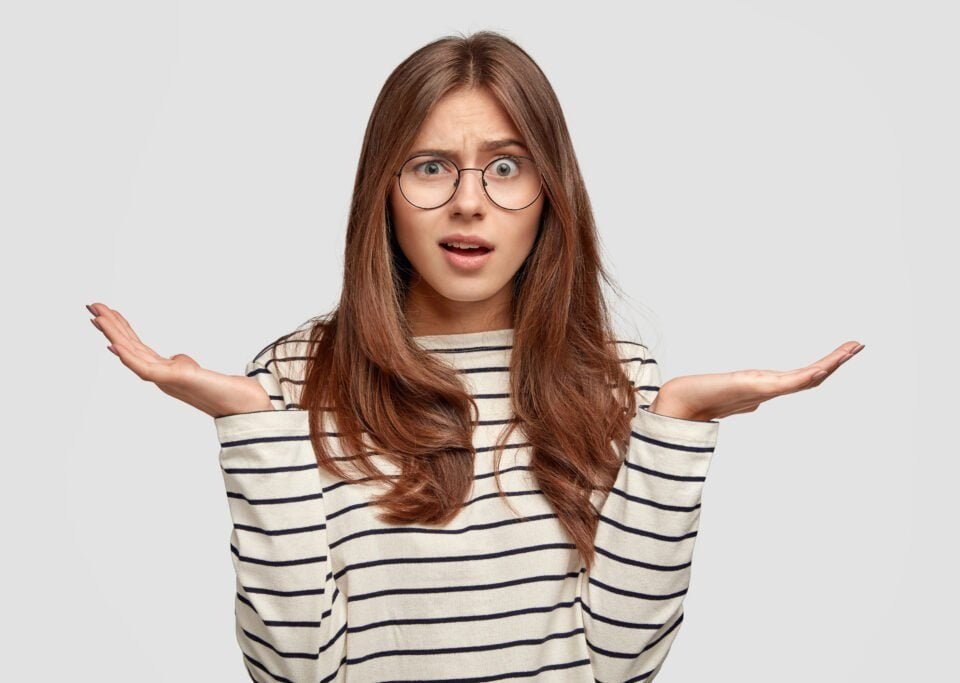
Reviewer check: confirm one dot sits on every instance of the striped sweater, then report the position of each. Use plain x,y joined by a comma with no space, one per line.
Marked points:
326,592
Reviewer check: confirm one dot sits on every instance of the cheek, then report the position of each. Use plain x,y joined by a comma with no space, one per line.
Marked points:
406,227
518,245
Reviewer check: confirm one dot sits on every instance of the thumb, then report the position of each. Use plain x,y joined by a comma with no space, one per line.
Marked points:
183,361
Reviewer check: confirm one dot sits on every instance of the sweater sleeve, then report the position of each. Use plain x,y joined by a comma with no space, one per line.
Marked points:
285,590
265,369
632,599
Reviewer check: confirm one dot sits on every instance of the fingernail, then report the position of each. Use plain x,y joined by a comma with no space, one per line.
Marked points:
95,324
110,346
90,308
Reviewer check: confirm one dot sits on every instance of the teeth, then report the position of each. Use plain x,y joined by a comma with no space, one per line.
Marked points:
462,245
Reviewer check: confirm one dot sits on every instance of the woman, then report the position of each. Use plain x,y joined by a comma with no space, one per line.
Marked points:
415,478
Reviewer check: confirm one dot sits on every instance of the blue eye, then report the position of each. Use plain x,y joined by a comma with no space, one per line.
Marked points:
432,167
505,166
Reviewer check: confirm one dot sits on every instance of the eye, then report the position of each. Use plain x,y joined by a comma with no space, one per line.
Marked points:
434,167
505,167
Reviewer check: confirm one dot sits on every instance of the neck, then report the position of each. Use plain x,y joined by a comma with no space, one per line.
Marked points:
435,315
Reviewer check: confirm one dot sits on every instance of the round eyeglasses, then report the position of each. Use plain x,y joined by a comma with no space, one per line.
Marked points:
428,181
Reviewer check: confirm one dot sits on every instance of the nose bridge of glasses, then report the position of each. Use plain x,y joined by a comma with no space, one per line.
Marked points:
480,178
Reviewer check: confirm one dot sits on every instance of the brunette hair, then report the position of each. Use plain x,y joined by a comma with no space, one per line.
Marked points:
365,372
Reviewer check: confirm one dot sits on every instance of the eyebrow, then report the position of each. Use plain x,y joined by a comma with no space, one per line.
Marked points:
485,146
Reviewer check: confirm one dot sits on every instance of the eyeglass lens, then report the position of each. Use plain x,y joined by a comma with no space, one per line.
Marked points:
428,181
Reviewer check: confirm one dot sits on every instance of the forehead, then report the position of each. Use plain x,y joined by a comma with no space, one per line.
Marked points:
464,119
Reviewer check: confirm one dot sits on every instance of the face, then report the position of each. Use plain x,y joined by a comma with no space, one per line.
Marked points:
448,295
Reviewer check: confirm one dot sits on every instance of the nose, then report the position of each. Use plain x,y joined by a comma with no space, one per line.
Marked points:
469,195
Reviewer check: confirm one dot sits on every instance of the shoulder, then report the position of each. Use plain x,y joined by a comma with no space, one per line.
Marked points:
285,359
285,348
638,363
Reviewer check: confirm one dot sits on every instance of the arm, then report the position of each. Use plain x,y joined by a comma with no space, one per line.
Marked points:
287,604
632,598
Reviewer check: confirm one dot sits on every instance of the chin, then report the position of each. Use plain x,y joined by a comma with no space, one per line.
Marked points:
461,289
473,296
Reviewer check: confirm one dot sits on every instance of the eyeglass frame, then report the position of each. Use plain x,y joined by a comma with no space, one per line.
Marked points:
456,184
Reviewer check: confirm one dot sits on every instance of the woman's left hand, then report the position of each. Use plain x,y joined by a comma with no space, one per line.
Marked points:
708,397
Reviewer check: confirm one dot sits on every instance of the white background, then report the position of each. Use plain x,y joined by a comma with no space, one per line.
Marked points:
771,179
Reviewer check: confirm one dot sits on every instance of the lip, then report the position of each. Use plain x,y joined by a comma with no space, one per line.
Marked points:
466,239
463,261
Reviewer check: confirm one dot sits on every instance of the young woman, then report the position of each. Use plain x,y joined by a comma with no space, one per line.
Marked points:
460,473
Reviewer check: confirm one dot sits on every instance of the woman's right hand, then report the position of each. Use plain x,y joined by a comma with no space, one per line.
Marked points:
179,376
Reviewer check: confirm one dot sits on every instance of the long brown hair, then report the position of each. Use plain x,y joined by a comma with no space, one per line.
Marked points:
364,371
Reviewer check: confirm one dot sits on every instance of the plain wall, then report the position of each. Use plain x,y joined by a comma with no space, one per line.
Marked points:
771,179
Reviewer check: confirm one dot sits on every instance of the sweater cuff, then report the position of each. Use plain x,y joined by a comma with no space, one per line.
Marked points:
239,426
678,430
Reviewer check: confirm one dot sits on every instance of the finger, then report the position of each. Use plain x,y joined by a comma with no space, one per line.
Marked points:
133,360
820,378
132,352
832,360
108,314
816,373
146,363
853,353
111,320
147,366
789,382
108,331
769,384
102,316
124,325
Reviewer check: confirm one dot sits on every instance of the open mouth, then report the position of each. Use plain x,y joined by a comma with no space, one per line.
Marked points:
466,258
473,251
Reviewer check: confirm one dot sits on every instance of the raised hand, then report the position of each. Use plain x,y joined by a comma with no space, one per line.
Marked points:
179,376
712,396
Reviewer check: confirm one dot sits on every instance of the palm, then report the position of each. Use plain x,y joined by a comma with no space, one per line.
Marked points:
712,396
180,375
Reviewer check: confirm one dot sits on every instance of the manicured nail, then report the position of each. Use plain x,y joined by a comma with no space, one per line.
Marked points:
95,324
110,346
90,308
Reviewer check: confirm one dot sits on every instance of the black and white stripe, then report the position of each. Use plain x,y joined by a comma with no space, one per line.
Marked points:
324,588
